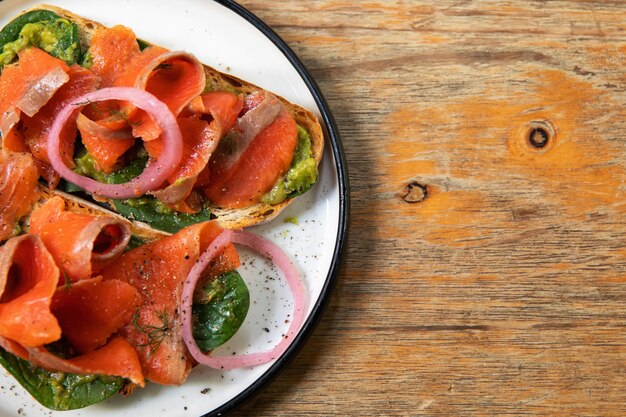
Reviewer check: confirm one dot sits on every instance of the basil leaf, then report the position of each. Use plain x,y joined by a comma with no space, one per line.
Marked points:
58,390
220,310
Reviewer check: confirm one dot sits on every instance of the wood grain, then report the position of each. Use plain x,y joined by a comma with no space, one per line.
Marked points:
484,276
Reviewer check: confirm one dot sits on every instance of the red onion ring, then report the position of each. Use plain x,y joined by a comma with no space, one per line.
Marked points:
280,258
153,175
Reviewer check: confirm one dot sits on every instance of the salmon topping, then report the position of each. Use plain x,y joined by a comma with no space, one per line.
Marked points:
37,127
28,280
111,49
117,358
91,310
81,244
18,190
243,182
104,143
158,270
34,312
175,78
28,85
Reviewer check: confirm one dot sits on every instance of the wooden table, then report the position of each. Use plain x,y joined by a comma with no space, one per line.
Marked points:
486,266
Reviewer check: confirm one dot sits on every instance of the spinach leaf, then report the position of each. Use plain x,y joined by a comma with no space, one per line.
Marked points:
145,209
127,172
220,310
143,44
12,30
148,210
135,242
57,390
43,29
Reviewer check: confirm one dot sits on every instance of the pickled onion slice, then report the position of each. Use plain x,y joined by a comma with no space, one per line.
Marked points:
280,258
155,173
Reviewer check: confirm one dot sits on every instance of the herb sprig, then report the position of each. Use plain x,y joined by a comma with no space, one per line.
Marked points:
155,334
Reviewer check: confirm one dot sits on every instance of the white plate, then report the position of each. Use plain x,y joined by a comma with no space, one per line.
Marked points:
229,38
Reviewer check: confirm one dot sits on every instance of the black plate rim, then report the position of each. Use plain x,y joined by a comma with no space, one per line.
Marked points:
344,209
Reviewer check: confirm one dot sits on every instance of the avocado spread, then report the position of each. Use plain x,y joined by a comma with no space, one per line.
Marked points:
85,166
300,177
145,209
56,37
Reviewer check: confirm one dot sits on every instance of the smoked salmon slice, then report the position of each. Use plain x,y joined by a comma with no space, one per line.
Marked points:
239,183
111,49
28,85
14,140
104,129
157,270
130,75
175,78
117,358
18,189
200,139
28,280
81,244
222,106
37,127
13,347
130,78
105,145
99,362
91,310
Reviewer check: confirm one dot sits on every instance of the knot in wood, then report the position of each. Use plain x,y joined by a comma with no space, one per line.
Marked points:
414,192
538,137
540,133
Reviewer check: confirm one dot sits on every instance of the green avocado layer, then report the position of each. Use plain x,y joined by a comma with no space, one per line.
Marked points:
44,30
145,209
301,176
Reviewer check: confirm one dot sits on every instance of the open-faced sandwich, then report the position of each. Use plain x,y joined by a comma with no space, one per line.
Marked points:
209,146
124,170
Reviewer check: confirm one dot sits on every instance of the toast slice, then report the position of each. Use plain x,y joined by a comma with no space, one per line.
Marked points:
227,217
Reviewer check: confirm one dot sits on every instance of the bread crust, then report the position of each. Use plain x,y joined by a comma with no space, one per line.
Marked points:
227,217
79,205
